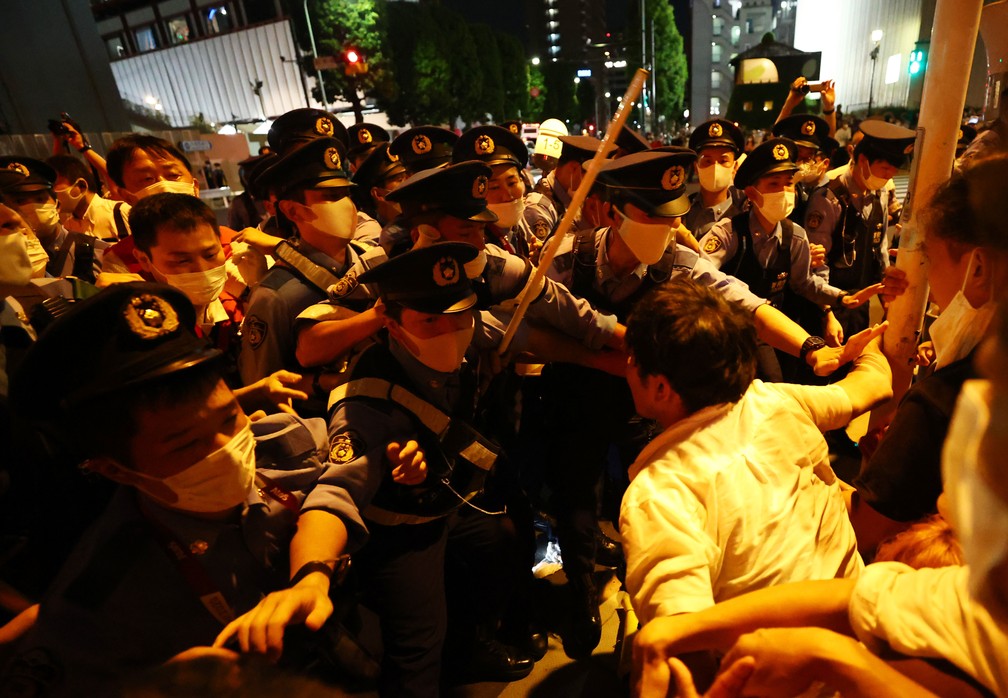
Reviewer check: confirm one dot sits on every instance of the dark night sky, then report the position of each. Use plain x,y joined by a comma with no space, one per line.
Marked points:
508,16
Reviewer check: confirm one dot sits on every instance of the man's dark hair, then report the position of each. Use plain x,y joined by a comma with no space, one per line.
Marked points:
180,212
71,169
969,209
702,344
123,149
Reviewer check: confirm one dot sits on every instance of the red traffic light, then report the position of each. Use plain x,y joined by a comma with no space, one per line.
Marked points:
352,56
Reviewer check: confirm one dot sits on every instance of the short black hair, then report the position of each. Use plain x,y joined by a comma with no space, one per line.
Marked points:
178,211
71,169
123,149
969,209
702,344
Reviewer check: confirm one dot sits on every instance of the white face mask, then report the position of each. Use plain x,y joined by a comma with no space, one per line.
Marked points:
777,206
647,241
871,181
331,218
167,186
68,202
200,287
445,352
979,517
216,483
474,269
716,177
15,266
508,214
808,172
42,218
37,254
960,326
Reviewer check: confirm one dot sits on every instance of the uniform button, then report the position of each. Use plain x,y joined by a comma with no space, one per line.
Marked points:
198,547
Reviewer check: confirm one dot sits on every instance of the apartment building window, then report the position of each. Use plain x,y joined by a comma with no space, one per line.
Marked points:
715,79
219,19
746,106
715,106
116,46
145,38
717,26
748,26
178,30
715,53
736,34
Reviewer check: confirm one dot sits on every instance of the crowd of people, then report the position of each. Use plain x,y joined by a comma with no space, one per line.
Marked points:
364,396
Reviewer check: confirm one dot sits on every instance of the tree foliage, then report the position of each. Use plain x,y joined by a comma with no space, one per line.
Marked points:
669,59
515,78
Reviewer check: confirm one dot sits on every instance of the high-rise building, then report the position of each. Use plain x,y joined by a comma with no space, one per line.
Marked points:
565,29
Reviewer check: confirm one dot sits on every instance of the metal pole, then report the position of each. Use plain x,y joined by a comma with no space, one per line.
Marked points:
314,53
956,23
871,83
633,90
297,61
654,86
643,58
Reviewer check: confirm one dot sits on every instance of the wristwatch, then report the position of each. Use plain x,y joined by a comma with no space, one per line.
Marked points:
810,345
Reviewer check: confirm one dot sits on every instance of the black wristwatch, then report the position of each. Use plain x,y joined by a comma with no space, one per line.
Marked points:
810,345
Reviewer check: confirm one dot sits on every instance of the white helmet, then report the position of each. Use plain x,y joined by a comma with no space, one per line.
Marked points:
548,141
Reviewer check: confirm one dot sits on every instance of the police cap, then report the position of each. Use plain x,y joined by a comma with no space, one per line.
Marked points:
377,167
493,145
769,157
301,125
126,335
315,164
423,147
428,279
457,190
363,137
629,141
717,132
894,142
581,148
805,130
250,168
514,126
19,173
654,181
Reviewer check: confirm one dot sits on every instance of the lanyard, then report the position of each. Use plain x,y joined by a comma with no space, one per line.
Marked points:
185,557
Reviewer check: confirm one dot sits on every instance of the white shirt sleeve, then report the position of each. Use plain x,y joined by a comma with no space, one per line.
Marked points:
828,406
929,613
670,556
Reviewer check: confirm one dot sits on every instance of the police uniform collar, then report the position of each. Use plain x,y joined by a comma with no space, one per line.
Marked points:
322,259
605,271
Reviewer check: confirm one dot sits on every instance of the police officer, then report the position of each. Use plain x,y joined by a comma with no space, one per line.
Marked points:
419,386
764,249
629,142
299,126
717,143
311,189
213,511
811,136
26,185
849,216
377,175
361,140
450,204
546,151
560,184
506,190
423,147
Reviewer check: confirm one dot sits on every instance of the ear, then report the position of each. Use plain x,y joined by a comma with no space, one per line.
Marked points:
396,331
290,209
376,195
753,194
983,273
144,259
195,184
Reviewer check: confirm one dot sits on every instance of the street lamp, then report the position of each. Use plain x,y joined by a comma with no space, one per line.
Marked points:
876,36
535,60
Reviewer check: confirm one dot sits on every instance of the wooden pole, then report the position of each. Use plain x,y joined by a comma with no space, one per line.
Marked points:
953,40
595,164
